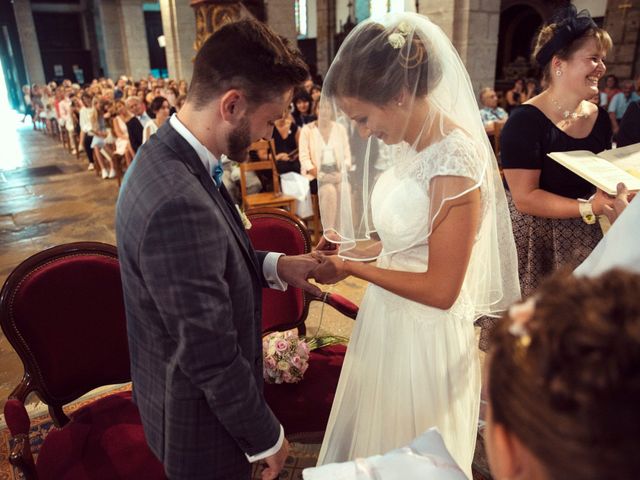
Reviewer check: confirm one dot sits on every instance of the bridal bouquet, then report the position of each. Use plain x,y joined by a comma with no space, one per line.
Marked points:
286,357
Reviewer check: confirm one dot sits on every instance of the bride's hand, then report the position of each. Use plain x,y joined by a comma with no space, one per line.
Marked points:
330,270
326,247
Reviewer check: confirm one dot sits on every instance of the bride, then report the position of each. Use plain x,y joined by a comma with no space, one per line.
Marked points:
437,225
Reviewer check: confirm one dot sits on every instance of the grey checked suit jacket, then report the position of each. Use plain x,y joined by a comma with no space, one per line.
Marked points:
192,289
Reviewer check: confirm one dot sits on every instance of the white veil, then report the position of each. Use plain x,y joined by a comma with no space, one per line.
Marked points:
405,66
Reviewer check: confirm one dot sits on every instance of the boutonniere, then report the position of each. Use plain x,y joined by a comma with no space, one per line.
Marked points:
245,220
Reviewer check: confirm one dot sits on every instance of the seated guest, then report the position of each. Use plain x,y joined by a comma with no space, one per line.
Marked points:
490,112
121,116
159,112
136,105
532,88
324,155
629,131
134,126
563,384
302,113
516,95
619,104
609,91
285,136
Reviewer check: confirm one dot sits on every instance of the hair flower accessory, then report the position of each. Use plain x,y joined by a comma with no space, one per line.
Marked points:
404,28
397,40
520,314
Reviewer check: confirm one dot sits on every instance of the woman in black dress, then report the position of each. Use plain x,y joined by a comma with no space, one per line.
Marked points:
285,138
302,103
554,212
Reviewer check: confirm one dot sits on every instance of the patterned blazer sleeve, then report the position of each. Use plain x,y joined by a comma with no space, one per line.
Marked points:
183,266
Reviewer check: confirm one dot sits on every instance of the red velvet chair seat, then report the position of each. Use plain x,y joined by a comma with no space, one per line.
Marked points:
103,440
304,408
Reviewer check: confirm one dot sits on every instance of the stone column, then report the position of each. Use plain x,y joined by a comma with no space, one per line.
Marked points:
112,35
325,42
29,41
180,35
622,21
281,18
478,43
134,39
472,26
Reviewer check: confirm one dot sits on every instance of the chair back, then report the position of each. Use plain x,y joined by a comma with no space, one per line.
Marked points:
276,230
261,165
62,310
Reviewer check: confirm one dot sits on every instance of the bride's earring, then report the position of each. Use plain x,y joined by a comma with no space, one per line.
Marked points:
399,104
558,73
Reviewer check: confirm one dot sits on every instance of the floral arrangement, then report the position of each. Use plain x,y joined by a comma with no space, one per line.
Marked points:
286,355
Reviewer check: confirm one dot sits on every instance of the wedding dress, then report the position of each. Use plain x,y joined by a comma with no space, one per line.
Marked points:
408,366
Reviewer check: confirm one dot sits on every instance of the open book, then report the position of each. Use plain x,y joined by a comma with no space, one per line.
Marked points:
606,169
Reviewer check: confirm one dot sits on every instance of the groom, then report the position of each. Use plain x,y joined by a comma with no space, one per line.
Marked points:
192,282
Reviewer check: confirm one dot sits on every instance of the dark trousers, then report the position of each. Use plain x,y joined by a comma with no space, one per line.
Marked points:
87,146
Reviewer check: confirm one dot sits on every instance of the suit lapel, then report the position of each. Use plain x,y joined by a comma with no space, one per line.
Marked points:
187,154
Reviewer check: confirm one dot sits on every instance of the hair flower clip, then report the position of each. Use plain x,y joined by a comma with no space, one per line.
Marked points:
404,28
397,40
520,314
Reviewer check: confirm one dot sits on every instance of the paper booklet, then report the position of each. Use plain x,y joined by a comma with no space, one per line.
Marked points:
606,169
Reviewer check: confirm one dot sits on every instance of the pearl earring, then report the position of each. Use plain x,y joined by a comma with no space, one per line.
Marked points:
558,73
399,104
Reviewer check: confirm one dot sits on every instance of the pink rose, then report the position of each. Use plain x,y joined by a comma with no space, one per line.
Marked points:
296,361
282,345
271,363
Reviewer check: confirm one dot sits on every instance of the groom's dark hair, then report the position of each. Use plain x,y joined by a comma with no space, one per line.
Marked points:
249,56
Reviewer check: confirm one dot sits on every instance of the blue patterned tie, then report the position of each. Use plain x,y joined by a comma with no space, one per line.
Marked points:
217,174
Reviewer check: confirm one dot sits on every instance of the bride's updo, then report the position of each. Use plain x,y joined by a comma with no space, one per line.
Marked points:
376,62
567,381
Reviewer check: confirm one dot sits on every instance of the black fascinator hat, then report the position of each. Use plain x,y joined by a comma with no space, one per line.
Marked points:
570,25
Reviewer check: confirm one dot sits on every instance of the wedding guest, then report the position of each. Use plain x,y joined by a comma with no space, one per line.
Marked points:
532,88
159,111
121,132
286,135
134,126
610,90
324,146
87,114
302,113
553,210
490,112
563,383
316,91
629,131
516,95
620,103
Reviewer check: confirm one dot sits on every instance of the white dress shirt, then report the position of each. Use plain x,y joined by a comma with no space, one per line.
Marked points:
269,265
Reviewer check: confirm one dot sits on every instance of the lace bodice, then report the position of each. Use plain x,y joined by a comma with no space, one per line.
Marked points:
401,199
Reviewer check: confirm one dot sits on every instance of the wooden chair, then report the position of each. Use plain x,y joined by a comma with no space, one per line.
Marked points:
496,138
62,310
274,199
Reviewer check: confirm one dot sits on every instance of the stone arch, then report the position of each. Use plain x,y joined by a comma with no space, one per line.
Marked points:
519,24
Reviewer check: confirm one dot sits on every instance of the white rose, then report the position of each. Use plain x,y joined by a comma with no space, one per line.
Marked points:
396,40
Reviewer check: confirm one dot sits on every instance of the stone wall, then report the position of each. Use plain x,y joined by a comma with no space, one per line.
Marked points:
178,24
134,38
281,18
622,21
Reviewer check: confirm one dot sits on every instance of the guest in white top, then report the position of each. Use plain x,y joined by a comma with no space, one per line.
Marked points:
159,111
324,146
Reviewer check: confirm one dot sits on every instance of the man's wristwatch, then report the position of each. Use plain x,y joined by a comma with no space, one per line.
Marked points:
586,212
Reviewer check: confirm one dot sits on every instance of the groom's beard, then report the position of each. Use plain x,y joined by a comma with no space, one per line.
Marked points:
239,142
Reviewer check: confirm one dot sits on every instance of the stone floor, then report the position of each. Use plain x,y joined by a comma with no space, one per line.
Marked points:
47,197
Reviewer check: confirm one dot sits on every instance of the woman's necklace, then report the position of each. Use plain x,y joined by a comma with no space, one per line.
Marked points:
566,114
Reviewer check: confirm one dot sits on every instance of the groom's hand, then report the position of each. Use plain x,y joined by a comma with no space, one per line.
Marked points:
296,270
330,270
275,462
